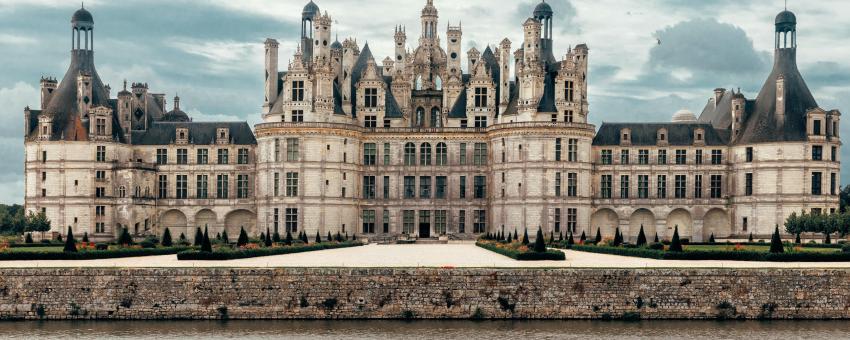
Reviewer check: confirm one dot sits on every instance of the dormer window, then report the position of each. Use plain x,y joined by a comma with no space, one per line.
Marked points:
480,97
298,91
699,136
661,136
182,135
371,98
569,90
816,127
222,135
625,136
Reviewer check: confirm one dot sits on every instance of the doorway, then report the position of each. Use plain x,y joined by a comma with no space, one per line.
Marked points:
424,224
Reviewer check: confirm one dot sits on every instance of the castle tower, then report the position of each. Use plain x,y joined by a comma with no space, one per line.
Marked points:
454,36
429,20
543,13
84,93
82,31
531,44
272,80
472,57
400,38
311,10
322,35
505,73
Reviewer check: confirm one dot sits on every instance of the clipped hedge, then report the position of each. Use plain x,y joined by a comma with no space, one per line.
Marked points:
549,255
697,255
36,245
88,254
221,255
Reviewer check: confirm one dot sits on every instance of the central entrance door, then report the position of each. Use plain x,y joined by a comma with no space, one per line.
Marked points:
424,224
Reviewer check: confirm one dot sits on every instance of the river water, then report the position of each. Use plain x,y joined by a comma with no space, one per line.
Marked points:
467,330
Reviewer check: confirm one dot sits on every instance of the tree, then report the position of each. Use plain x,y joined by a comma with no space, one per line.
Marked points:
125,239
583,237
525,237
268,238
750,239
288,239
276,236
243,238
206,245
641,240
263,238
199,237
570,240
676,243
330,238
86,237
656,240
618,238
561,236
182,238
776,242
598,235
797,239
224,237
318,237
711,239
166,238
827,240
70,242
551,236
28,238
516,235
539,242
844,197
38,223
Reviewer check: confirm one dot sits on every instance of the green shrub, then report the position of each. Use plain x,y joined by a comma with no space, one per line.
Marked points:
206,246
288,239
125,239
828,239
166,238
583,237
243,238
539,242
550,255
676,243
226,254
525,237
618,238
28,238
846,248
655,240
641,240
711,239
750,239
224,237
86,237
100,253
657,246
276,236
70,242
268,242
776,242
570,240
199,237
147,244
598,236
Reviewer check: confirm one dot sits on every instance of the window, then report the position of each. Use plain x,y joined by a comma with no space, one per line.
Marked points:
442,154
292,149
100,227
298,91
748,184
440,222
163,187
607,157
745,223
291,220
480,98
750,154
681,157
572,150
480,223
242,156
557,184
643,186
662,186
569,90
370,154
98,192
816,183
122,192
223,156
368,221
99,175
572,219
834,157
101,154
369,187
424,217
203,156
425,154
716,157
480,122
715,186
832,183
201,186
624,157
557,149
479,154
408,221
816,129
624,186
242,186
605,186
276,150
461,221
291,184
297,116
424,187
161,156
370,121
662,157
464,124
100,126
182,156
386,153
409,154
387,123
462,190
480,187
370,98
100,210
222,187
440,192
409,187
817,153
643,157
462,159
698,186
554,118
276,184
276,219
568,116
698,157
680,186
182,187
572,184
557,220
386,221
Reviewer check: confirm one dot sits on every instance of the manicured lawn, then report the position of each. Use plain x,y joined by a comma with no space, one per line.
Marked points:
759,248
57,249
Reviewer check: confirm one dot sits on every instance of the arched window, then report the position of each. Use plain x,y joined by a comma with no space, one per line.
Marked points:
138,192
425,154
419,120
419,82
435,117
442,154
122,192
410,154
438,83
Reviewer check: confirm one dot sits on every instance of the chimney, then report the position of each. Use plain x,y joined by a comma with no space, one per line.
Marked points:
718,93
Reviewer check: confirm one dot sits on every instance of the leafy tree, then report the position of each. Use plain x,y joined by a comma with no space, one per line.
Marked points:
641,240
827,240
206,245
797,239
525,237
844,197
70,242
38,223
166,238
676,243
539,242
199,237
598,235
243,238
776,242
124,238
224,237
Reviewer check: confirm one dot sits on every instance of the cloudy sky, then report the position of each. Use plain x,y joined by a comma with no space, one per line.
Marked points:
211,52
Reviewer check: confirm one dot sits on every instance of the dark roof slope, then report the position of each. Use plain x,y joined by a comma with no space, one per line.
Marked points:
391,107
719,115
200,133
459,108
644,134
67,120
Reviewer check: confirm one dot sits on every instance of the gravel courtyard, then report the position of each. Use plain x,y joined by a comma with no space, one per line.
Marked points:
432,255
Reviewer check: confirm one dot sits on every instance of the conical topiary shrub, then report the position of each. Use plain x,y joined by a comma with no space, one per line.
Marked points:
641,239
318,237
125,239
618,238
276,237
516,235
656,240
570,240
70,242
199,237
776,242
583,237
561,237
598,238
525,237
676,243
86,237
750,239
206,245
166,238
797,239
243,238
224,237
539,242
28,238
551,236
330,238
711,239
288,239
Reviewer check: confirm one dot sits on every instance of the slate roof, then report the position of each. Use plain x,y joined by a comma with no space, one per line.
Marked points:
391,108
200,133
645,134
459,108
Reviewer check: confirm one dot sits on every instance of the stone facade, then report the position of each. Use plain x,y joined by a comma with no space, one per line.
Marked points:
362,293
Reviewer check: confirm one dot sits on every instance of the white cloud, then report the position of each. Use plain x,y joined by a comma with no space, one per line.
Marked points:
222,56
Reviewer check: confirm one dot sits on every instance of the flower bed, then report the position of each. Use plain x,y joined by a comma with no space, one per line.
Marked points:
797,255
11,254
520,252
225,253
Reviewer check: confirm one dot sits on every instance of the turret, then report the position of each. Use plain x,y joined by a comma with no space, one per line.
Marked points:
307,16
472,57
124,110
429,20
739,103
272,80
48,85
543,13
454,36
322,38
505,73
400,38
780,101
531,44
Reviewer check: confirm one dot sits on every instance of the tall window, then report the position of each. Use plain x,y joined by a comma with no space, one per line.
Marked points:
698,186
201,186
817,177
291,184
276,184
662,186
182,156
222,187
605,185
557,149
462,189
572,184
292,145
479,154
716,157
643,157
816,128
557,184
409,154
371,98
698,157
569,90
572,219
203,156
624,157
242,186
297,116
462,157
832,183
386,153
242,156
480,187
749,155
606,157
182,187
572,150
480,223
100,126
481,122
624,186
291,222
442,154
440,190
440,222
715,186
368,221
568,116
662,157
370,121
386,221
425,154
480,97
161,156
680,186
557,220
424,187
643,186
817,153
681,157
369,187
748,184
223,156
370,154
298,91
408,221
101,154
163,187
386,187
461,221
409,187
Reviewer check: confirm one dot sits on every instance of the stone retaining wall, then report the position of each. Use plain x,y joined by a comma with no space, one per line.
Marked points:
374,293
